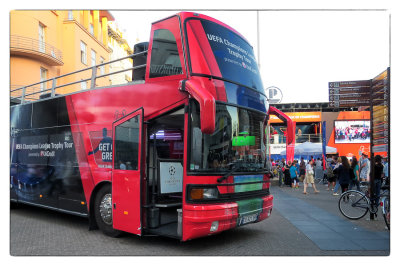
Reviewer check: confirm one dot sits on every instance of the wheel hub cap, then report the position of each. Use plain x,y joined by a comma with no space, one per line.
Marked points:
106,209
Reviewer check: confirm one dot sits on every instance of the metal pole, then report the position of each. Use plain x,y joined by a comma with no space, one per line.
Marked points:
23,95
93,79
53,88
372,164
388,105
258,39
153,185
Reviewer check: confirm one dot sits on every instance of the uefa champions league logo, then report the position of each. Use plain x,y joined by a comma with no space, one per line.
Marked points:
172,170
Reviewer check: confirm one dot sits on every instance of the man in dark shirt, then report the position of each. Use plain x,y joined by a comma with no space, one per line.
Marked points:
378,178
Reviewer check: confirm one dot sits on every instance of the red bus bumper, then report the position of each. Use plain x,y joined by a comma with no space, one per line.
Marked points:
203,220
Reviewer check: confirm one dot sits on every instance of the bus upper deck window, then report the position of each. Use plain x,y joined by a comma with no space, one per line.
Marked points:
165,59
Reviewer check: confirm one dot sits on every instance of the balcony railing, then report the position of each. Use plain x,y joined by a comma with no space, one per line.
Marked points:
281,139
36,47
35,91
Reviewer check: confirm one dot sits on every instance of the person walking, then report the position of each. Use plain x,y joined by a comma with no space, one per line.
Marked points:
330,176
287,181
269,166
335,172
386,171
364,167
293,175
309,178
344,174
296,164
281,164
378,178
302,169
355,175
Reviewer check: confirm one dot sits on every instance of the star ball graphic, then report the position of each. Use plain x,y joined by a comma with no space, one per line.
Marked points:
172,170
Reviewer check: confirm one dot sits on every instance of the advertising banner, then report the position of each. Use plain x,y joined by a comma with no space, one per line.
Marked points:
171,177
298,117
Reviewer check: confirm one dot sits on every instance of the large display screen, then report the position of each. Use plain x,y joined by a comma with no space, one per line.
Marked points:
355,131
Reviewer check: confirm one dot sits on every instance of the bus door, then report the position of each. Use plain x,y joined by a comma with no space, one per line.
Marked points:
127,172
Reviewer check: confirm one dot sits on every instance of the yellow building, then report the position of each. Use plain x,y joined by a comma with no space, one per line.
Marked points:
120,49
49,43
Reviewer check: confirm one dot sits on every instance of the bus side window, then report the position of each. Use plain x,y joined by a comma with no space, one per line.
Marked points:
165,59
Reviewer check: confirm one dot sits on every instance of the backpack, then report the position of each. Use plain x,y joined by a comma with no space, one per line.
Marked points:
329,172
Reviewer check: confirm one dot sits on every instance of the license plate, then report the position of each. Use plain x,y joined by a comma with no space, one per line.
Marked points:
247,219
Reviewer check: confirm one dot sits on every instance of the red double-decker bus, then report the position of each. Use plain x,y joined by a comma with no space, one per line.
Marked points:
180,151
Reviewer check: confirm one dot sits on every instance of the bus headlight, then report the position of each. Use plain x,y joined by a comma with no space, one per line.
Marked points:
210,193
203,193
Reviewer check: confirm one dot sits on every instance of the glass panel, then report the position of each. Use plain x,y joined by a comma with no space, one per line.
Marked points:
41,38
93,57
238,141
233,55
83,53
243,96
127,144
43,77
165,59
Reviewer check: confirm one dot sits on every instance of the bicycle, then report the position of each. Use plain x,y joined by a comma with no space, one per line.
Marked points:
354,204
385,205
364,186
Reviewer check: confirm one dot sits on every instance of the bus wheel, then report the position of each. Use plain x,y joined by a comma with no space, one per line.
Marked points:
103,212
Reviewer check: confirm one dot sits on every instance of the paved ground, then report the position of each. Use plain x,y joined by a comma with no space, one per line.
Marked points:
287,232
325,226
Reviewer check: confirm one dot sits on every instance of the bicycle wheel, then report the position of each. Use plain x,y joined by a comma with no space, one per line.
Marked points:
353,204
386,212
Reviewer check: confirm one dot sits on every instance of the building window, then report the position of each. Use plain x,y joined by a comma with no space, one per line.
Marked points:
70,15
83,53
91,29
102,71
93,57
83,85
43,77
42,47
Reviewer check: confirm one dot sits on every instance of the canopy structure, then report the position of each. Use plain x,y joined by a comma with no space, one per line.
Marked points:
309,148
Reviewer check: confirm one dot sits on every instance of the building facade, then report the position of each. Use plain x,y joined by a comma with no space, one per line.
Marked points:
119,49
49,43
347,130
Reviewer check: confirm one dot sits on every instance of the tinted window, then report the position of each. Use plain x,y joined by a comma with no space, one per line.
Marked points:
127,144
165,59
234,56
238,140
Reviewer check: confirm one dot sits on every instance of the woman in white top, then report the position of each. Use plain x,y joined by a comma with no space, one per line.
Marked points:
309,179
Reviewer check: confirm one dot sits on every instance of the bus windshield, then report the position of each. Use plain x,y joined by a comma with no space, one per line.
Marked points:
238,140
233,58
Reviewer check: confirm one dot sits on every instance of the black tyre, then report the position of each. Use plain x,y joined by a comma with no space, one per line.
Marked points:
386,212
353,204
103,212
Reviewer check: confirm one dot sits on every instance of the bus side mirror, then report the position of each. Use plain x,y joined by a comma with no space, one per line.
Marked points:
206,101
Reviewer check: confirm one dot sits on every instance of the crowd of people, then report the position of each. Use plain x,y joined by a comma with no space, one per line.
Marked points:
340,172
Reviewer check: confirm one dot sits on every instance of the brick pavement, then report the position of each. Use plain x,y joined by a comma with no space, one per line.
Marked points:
324,224
35,231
